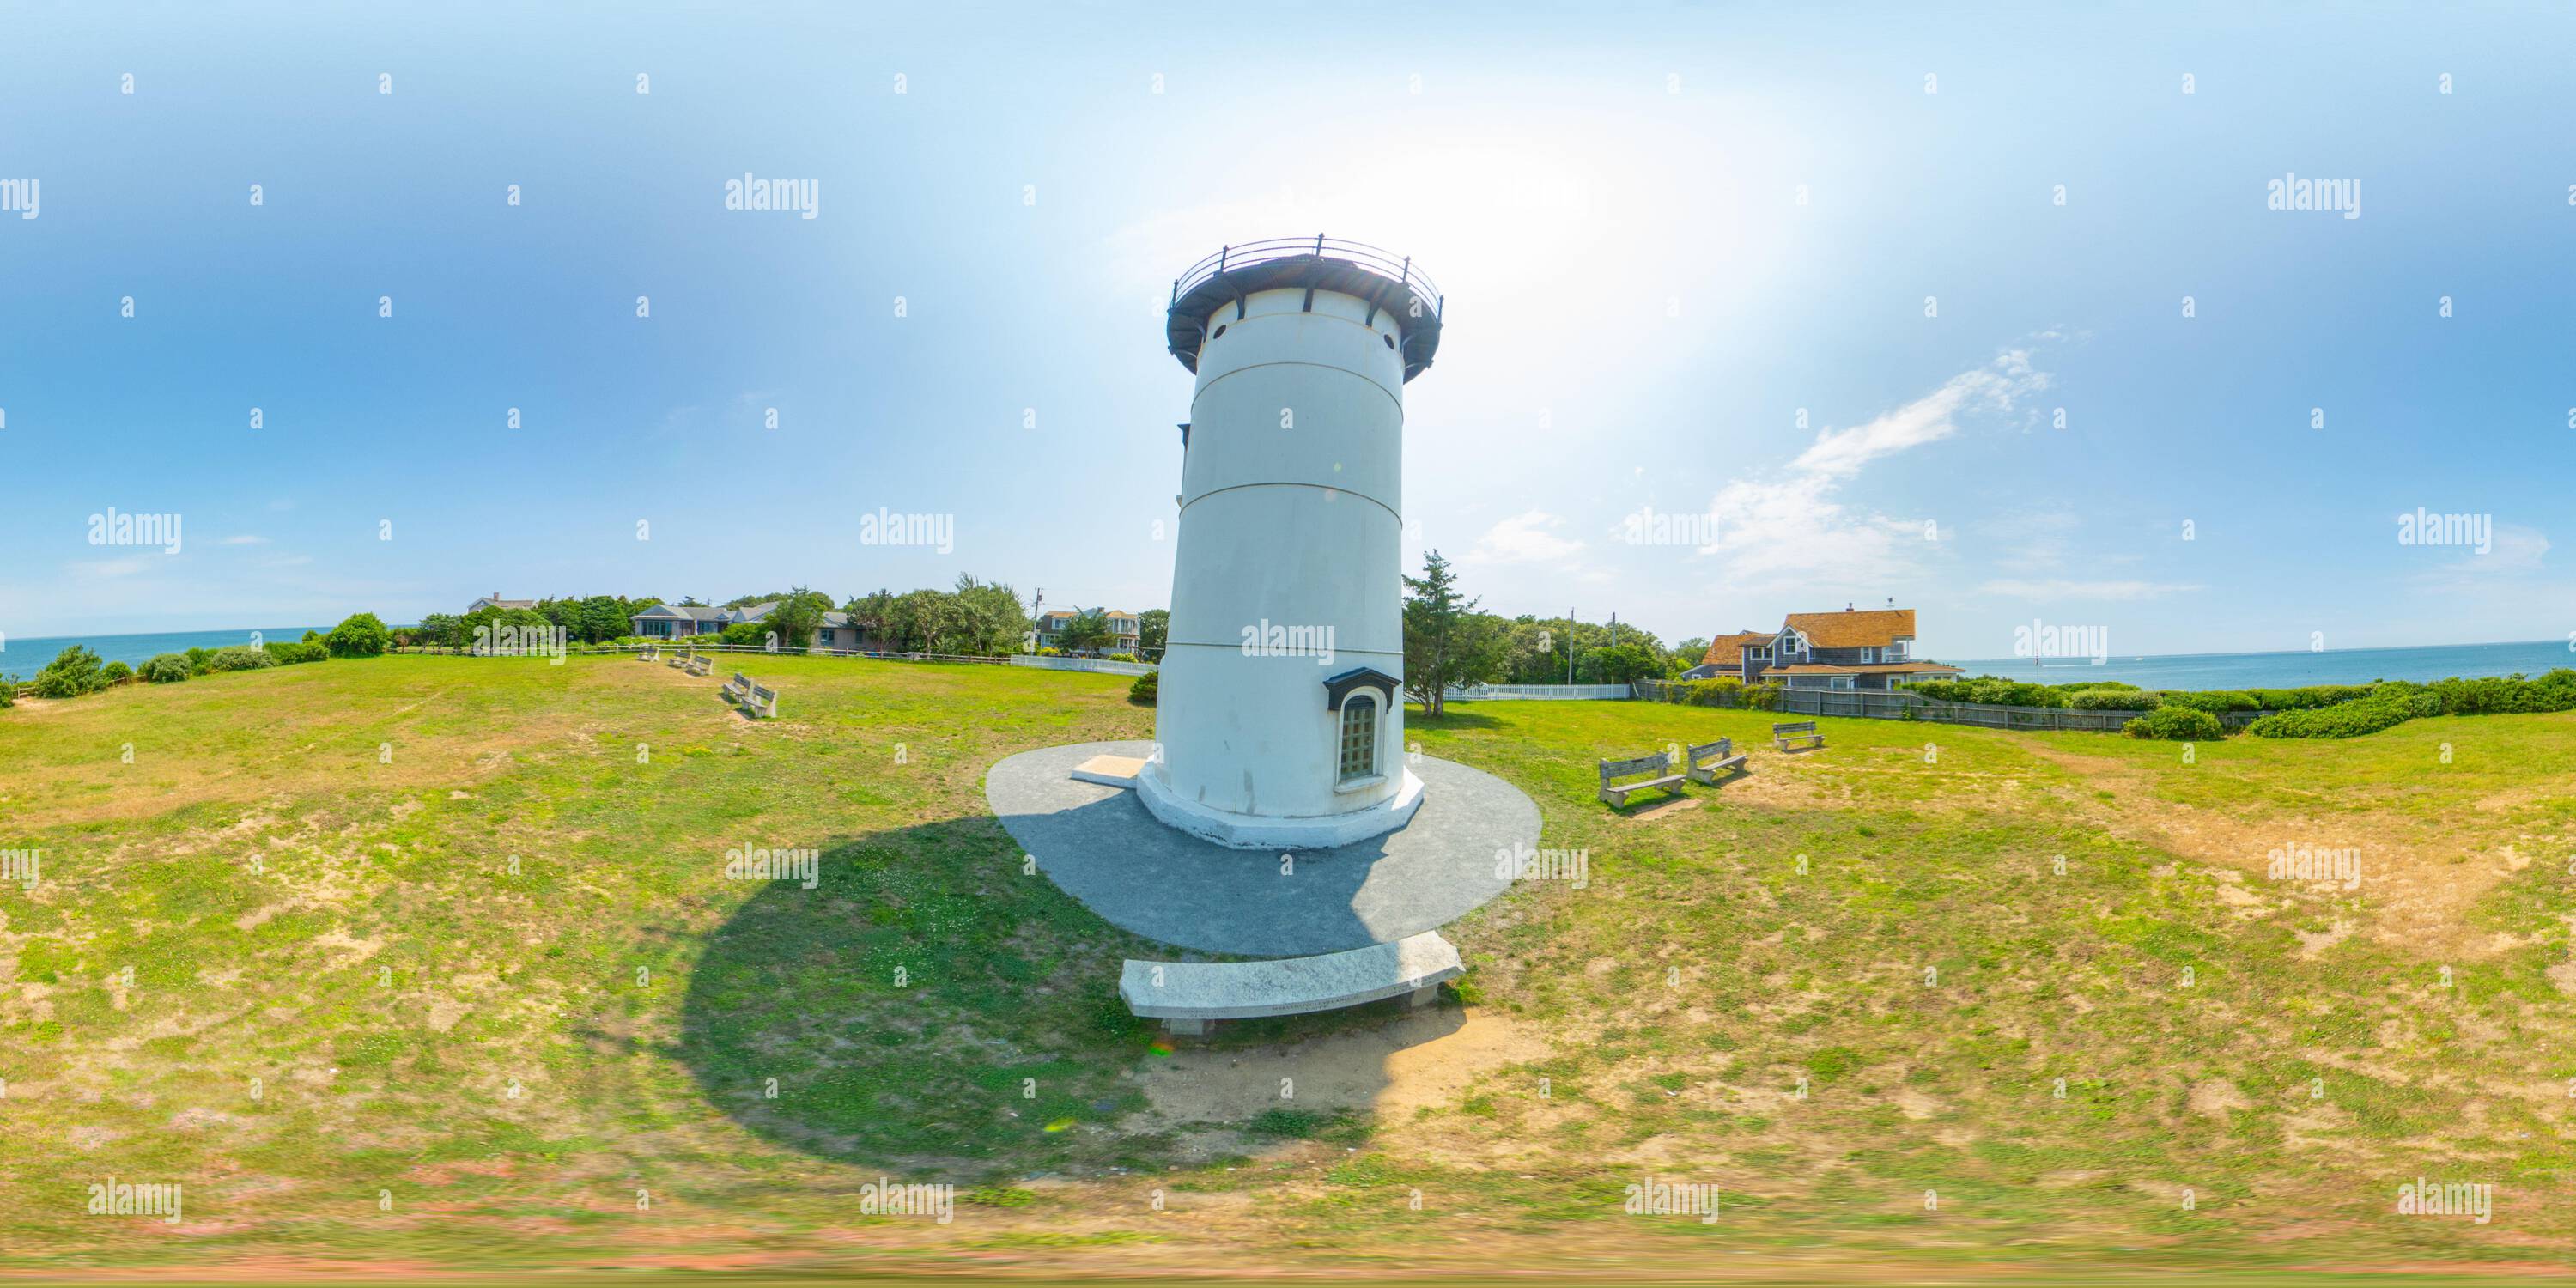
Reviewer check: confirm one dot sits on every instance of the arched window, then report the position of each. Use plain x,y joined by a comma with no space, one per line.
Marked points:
1359,737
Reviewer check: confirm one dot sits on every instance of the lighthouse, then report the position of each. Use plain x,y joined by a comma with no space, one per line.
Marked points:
1279,718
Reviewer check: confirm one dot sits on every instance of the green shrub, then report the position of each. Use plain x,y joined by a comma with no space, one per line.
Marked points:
2318,695
115,673
169,668
1991,689
2103,697
1146,689
289,653
362,635
2176,724
1122,657
239,657
73,672
2213,701
2380,711
2555,691
197,659
8,690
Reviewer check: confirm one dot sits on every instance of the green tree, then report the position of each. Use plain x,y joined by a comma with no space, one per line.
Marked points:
1086,631
989,618
1446,641
1622,664
872,616
1153,631
73,672
799,614
361,635
442,629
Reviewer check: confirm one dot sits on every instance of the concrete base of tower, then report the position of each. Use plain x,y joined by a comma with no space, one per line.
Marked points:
1250,832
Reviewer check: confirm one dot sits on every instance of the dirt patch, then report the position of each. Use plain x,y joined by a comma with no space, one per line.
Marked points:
1422,1060
2216,1097
2420,883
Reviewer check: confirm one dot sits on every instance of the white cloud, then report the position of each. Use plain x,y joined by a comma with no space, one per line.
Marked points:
1522,538
2060,588
1792,529
243,540
1928,419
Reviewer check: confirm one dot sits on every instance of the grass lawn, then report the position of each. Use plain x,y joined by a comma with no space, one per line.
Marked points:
433,962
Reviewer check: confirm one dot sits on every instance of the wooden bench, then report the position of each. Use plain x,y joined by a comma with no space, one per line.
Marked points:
1710,759
1801,731
700,665
1190,997
651,653
756,700
1659,764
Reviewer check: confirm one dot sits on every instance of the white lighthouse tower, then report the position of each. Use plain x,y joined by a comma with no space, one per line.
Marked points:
1280,719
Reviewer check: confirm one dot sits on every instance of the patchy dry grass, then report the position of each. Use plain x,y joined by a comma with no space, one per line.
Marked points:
465,923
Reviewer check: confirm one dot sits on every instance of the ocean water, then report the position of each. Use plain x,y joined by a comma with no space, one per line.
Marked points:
2288,670
24,657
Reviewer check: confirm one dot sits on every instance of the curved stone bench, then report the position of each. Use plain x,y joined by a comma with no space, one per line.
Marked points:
1190,996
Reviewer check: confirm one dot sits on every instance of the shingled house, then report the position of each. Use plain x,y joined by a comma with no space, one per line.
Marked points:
1852,649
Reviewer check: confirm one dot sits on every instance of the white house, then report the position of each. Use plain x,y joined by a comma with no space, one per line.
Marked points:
1125,630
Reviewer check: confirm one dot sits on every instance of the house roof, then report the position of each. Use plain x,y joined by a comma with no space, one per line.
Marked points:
1850,629
693,612
1728,650
1872,668
507,603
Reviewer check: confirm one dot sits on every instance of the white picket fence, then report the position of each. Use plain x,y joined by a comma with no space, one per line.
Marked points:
1538,693
1102,665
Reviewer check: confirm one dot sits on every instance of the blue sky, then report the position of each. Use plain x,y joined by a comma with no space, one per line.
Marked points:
1640,304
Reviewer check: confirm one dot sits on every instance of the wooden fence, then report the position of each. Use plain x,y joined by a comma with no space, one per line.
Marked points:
1903,705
